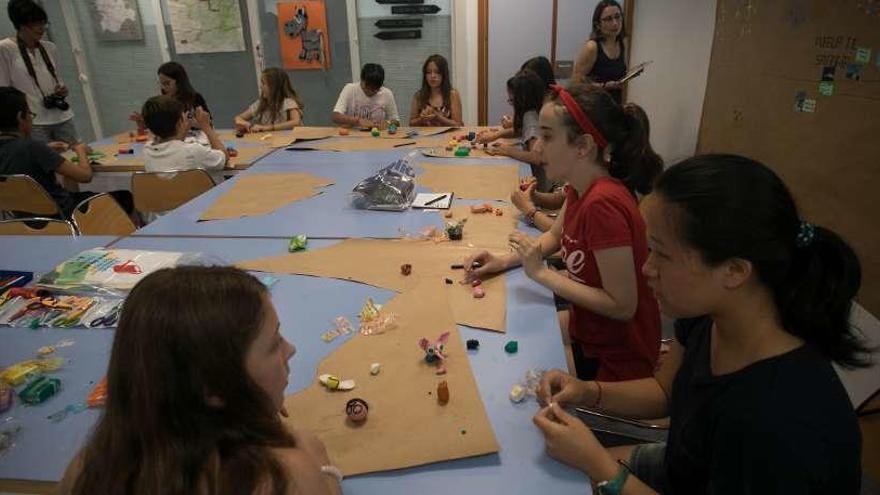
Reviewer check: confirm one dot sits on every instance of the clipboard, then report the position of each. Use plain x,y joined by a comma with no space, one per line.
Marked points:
635,71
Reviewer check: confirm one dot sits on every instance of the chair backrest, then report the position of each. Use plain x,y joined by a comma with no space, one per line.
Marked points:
101,215
157,192
36,226
21,192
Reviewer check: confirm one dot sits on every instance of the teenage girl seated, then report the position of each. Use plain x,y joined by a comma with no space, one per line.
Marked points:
279,108
437,103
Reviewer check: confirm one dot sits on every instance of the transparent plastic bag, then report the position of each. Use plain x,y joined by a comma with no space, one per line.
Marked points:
113,272
393,188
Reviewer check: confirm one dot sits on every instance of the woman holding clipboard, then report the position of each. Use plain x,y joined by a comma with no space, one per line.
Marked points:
602,59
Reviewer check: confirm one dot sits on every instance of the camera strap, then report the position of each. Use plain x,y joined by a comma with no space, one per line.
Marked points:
30,66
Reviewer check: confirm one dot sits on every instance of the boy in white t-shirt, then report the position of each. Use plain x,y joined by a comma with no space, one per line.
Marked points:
165,117
366,103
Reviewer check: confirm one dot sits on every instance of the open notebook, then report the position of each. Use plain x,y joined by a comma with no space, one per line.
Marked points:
440,200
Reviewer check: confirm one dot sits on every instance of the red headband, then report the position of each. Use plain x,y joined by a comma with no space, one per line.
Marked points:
579,116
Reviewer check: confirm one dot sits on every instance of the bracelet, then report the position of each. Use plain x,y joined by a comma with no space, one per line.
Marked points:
333,472
598,395
614,486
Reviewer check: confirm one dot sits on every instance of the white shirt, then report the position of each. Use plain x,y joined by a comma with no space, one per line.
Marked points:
266,119
377,108
178,155
13,72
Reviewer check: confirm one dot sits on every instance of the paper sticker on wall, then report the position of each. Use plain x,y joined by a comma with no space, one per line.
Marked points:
854,72
826,88
302,34
869,7
863,55
804,104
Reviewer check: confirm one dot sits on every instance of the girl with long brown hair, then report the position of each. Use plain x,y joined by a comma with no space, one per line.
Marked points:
279,107
437,103
195,392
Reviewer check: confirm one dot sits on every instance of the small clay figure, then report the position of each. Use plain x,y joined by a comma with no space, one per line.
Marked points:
356,410
443,392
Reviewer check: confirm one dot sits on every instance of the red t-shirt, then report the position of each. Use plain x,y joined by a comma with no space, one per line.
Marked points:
605,217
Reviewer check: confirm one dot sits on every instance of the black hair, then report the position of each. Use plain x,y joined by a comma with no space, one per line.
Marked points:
541,66
24,12
186,94
729,206
12,103
596,35
527,91
626,130
373,75
161,115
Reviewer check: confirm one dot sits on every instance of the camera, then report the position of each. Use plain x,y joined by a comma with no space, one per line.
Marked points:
55,101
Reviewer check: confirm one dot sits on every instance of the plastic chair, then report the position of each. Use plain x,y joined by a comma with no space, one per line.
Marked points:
158,192
21,193
101,215
36,226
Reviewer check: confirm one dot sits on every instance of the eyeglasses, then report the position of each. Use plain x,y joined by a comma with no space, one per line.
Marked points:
611,18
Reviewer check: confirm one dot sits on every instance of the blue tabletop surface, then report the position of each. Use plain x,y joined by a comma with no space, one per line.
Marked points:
306,307
329,214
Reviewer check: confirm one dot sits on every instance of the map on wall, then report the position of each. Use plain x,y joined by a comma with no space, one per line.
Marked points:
116,20
205,26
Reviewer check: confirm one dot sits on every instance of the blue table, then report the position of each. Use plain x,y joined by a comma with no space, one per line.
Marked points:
306,307
41,254
326,215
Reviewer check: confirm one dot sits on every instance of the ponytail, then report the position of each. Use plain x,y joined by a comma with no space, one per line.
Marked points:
815,298
639,162
626,129
734,207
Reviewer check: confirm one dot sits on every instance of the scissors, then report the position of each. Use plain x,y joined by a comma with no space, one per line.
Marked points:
109,319
37,303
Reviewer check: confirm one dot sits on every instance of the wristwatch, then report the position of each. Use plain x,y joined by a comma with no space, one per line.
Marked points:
615,484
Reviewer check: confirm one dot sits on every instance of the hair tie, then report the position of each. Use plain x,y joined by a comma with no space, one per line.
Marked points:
579,116
806,234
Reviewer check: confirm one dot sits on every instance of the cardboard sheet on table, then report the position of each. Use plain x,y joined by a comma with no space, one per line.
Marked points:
377,262
441,152
260,194
483,182
353,144
484,230
280,139
247,155
423,132
405,425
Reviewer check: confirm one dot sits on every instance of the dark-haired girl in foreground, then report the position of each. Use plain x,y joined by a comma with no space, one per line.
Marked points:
763,300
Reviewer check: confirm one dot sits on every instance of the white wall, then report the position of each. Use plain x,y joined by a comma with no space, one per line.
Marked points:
465,57
677,35
518,31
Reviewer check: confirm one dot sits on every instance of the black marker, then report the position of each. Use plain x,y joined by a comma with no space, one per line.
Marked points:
438,198
475,264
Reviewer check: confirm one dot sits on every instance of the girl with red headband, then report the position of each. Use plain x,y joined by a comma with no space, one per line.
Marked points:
588,141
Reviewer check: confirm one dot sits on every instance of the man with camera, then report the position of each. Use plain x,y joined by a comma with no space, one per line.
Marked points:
29,64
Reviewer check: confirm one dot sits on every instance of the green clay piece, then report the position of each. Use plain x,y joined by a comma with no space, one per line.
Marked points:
297,243
40,390
93,156
375,132
462,151
511,347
